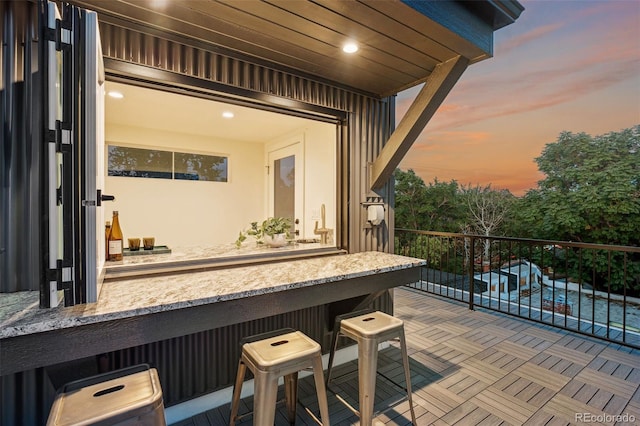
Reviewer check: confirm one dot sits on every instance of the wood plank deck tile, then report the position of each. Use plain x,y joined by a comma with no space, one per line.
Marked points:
584,393
438,399
483,372
479,337
542,376
612,384
463,385
467,413
511,384
461,411
496,330
536,395
506,362
520,351
464,345
630,359
582,344
532,342
549,335
449,354
600,399
505,406
452,328
492,420
632,409
569,354
540,418
569,409
436,335
616,405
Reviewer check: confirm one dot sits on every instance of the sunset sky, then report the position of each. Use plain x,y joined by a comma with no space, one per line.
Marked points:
564,65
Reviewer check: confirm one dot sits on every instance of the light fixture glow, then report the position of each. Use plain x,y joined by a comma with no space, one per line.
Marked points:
227,114
115,95
350,47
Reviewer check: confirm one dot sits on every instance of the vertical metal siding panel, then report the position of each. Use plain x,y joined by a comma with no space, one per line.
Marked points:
20,180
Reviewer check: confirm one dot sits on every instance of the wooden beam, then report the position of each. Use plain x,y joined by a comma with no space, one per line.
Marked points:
433,93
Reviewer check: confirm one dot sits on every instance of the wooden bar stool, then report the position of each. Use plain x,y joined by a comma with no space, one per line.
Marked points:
370,328
272,355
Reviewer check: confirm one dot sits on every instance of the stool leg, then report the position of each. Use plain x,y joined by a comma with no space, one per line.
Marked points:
367,365
291,395
237,388
407,374
321,391
264,399
332,353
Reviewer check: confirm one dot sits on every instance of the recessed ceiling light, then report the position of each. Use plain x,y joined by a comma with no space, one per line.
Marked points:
350,47
116,95
227,114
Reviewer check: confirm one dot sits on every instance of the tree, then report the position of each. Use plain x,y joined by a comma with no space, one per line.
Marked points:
591,193
487,209
436,207
410,199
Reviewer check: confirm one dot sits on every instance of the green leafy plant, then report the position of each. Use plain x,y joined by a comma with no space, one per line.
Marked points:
269,227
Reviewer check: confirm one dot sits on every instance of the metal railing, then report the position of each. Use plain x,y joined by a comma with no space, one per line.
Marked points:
591,289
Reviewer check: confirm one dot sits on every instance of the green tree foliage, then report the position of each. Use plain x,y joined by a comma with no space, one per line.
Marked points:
433,207
591,193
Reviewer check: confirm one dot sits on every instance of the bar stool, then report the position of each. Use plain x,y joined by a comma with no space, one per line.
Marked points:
369,328
270,355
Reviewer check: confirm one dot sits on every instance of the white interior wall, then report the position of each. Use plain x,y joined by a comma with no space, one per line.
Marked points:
194,213
319,151
182,213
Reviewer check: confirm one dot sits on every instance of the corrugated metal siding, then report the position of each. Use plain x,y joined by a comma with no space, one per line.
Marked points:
20,148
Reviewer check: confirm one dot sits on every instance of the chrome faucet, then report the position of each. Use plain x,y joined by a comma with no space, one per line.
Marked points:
324,231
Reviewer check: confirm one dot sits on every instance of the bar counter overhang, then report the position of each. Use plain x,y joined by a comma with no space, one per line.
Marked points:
142,310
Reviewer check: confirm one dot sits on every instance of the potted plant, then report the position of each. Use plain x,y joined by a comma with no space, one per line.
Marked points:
273,231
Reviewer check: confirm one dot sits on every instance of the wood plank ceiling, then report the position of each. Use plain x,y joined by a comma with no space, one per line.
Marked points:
399,47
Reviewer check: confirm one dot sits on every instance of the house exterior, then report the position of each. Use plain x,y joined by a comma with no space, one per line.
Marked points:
278,56
511,281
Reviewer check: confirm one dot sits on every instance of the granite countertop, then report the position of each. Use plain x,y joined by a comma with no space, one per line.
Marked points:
20,315
225,255
199,253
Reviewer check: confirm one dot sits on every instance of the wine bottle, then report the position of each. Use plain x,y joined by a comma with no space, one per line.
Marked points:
115,239
107,233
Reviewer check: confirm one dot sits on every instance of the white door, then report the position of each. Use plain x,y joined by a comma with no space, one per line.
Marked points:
92,142
286,184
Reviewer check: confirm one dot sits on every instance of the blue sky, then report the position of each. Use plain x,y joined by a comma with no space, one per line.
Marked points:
563,65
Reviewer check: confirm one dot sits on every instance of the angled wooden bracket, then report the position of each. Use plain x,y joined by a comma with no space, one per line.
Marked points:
433,93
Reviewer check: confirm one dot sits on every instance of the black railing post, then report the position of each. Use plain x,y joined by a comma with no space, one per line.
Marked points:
472,257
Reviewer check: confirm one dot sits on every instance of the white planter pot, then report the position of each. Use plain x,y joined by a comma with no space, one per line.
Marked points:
278,240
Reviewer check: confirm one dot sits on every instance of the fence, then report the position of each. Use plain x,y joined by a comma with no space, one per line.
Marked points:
591,289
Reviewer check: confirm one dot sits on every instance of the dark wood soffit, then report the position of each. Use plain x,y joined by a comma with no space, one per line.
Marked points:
433,93
399,46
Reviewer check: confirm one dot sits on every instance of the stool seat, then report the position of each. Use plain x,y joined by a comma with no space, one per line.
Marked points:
281,352
272,355
373,324
370,328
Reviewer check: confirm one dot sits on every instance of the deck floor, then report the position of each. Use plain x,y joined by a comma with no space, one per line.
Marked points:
479,368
